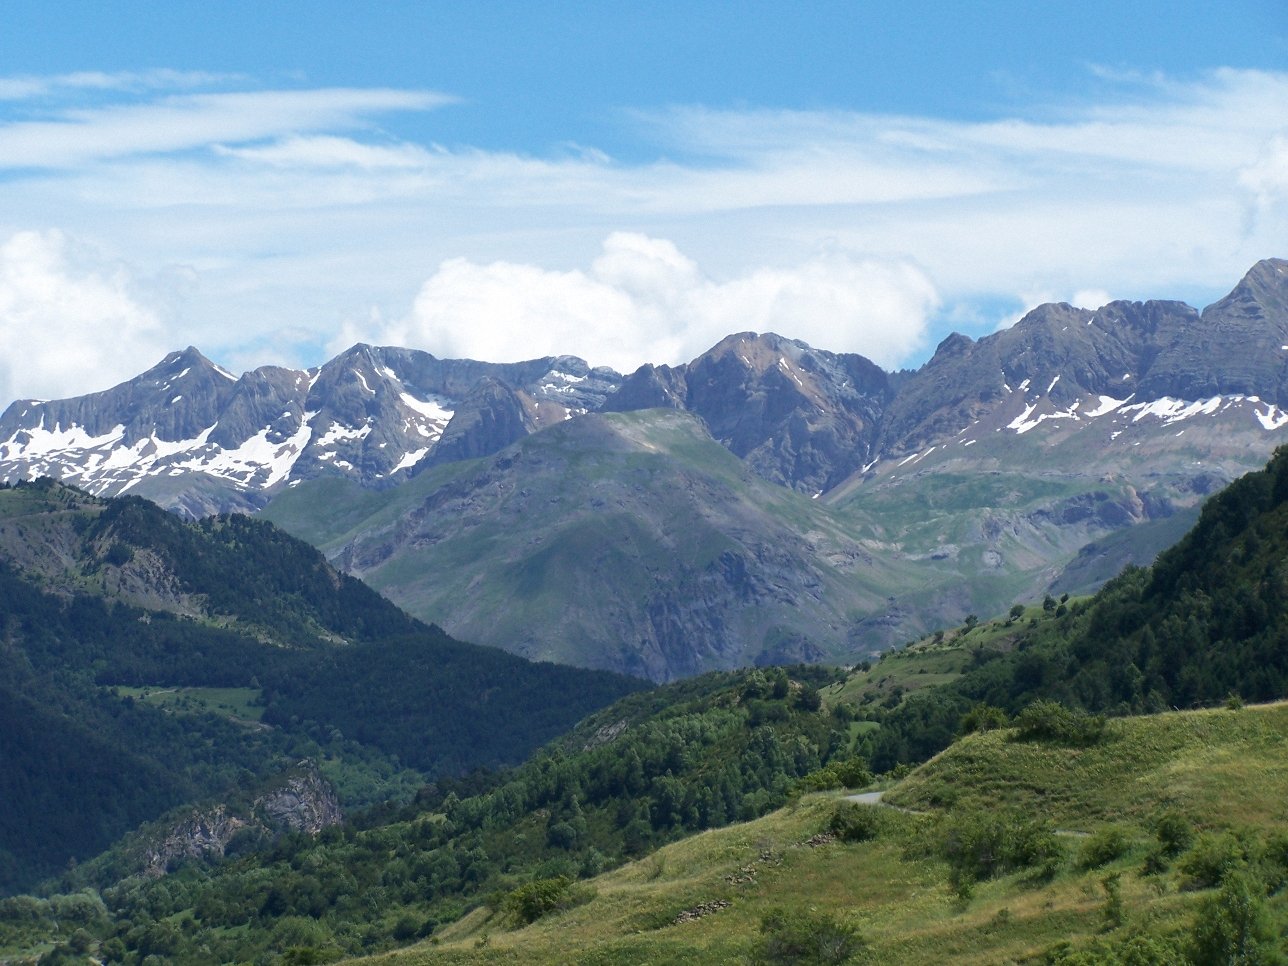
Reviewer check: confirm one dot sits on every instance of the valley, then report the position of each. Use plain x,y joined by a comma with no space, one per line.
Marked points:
1076,749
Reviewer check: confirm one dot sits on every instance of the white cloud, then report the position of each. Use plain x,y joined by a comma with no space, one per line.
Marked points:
182,122
1091,298
642,300
1267,177
29,86
294,212
70,321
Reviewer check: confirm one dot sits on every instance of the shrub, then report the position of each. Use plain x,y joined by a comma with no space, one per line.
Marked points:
1102,847
853,822
1233,926
983,717
531,901
805,939
1213,857
1113,908
1174,832
980,845
850,773
1053,722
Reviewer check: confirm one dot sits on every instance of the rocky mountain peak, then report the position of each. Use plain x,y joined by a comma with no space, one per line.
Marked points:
1261,293
754,351
191,435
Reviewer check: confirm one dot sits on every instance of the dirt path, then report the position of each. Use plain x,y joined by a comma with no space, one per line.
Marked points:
866,798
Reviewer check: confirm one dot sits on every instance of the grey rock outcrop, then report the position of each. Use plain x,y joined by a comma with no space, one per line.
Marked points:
300,801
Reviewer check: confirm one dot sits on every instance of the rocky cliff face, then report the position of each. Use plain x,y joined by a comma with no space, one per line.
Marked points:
800,417
809,419
301,801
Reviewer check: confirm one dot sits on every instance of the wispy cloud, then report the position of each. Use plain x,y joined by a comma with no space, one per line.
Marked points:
298,211
78,136
33,87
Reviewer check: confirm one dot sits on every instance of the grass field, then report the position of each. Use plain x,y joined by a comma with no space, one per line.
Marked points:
237,704
703,900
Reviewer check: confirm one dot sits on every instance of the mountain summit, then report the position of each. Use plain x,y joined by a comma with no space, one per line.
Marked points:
781,502
195,438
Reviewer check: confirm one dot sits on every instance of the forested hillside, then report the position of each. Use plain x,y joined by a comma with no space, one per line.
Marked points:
500,849
119,622
1208,620
652,768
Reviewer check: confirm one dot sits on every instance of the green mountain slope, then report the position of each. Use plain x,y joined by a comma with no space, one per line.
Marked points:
1147,847
107,604
626,541
635,542
1209,619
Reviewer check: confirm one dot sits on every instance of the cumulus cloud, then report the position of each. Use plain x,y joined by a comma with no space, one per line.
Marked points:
643,300
70,320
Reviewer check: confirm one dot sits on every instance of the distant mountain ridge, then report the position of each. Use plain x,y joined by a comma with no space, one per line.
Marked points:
194,437
1039,458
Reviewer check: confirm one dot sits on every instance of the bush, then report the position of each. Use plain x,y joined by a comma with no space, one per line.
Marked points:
1175,835
983,717
850,773
804,939
1233,926
1053,722
982,845
1103,847
531,901
1213,857
853,822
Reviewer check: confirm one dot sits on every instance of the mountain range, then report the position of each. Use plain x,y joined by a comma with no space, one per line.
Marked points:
767,501
1044,823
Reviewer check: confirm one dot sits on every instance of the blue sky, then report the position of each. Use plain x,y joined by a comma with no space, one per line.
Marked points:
272,182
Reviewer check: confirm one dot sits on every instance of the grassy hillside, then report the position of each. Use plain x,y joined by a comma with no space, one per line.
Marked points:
628,541
1100,882
1210,619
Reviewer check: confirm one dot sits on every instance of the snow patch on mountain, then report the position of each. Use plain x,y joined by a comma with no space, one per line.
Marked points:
259,460
1107,405
561,381
337,433
411,459
434,407
40,442
1171,410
